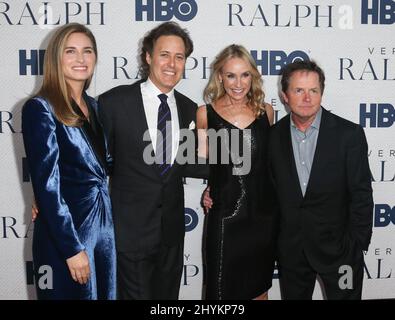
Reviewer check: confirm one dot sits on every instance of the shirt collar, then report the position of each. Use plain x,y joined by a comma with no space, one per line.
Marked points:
154,91
316,122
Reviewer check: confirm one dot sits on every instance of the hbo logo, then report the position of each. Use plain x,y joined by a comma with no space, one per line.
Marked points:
383,215
165,10
380,115
380,11
191,219
271,62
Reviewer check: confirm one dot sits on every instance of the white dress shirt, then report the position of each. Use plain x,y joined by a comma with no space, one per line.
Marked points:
151,103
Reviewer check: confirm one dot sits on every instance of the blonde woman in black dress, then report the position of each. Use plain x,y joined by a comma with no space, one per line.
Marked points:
240,235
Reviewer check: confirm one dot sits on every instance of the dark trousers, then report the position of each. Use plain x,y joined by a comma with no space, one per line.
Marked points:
298,283
154,275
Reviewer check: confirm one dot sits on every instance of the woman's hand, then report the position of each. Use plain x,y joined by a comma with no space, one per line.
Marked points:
207,202
79,267
34,210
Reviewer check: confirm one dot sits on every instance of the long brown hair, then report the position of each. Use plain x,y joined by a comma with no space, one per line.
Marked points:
54,87
215,90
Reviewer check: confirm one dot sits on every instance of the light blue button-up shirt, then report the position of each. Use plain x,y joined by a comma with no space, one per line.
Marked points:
304,144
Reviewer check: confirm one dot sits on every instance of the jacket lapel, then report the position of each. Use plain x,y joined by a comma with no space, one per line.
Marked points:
136,113
289,156
324,139
134,107
181,125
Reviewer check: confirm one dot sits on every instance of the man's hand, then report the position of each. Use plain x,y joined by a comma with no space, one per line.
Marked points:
207,202
79,267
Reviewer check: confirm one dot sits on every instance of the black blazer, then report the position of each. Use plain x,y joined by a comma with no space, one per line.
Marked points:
148,210
332,223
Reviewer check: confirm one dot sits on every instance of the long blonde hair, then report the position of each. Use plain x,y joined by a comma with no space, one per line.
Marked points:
215,90
54,86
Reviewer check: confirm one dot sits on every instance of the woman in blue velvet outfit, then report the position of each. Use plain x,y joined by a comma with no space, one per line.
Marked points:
73,241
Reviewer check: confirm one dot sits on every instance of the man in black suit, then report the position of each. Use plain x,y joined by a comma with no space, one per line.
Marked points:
148,198
321,173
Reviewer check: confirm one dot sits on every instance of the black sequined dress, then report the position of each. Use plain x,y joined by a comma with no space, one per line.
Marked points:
240,233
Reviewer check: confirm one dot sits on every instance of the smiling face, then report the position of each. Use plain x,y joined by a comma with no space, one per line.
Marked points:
236,77
167,62
303,96
78,59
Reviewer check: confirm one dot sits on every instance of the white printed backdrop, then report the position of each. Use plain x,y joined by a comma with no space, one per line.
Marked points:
353,40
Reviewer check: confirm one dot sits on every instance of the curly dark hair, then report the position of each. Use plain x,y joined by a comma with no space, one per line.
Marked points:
165,29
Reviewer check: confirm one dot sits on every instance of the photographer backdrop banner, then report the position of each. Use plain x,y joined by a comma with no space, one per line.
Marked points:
352,40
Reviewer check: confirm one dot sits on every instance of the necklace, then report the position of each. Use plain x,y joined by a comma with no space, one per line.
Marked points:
234,118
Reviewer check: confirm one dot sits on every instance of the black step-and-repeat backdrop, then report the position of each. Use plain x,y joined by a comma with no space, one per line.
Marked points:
353,40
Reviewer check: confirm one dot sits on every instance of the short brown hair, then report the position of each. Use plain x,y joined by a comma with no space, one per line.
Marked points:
165,29
301,65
